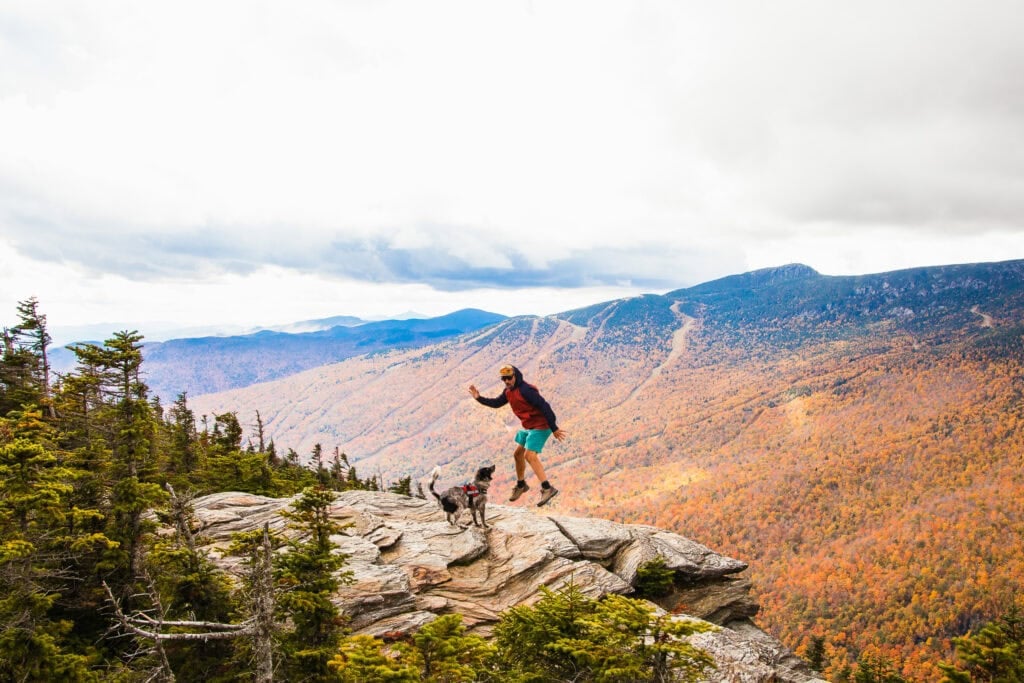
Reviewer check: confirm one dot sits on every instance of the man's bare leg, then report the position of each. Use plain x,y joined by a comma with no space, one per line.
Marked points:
521,485
538,469
520,457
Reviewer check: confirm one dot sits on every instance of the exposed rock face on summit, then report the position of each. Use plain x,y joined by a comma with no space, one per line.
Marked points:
410,566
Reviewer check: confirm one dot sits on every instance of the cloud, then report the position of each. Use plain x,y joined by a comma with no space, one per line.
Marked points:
527,144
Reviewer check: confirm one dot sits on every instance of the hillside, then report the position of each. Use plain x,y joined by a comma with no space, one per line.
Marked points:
208,364
856,438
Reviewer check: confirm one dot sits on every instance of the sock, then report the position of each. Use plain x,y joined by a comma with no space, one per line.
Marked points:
545,485
521,483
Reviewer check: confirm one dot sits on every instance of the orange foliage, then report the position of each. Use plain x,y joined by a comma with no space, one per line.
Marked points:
880,502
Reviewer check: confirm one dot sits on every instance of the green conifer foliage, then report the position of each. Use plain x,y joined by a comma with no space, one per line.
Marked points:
995,653
17,377
227,433
183,456
569,636
133,467
226,467
440,652
654,578
443,651
402,487
306,576
873,668
24,366
192,588
815,654
365,659
37,548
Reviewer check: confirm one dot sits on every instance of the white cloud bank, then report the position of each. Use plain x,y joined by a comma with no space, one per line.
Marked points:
265,161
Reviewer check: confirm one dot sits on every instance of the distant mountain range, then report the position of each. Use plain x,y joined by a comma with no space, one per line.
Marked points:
209,364
857,440
764,313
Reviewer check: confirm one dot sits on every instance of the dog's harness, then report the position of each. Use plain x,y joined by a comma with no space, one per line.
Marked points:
471,492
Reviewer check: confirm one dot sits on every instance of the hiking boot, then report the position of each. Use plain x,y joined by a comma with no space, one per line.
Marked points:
518,491
546,495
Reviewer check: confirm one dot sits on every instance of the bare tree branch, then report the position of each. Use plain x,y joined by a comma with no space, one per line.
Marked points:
212,625
217,631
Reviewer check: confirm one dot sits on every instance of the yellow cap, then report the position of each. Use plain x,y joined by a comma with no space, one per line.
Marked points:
507,371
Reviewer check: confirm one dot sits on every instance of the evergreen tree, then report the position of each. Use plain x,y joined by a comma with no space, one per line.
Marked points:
22,375
995,653
87,425
365,659
339,470
440,652
815,654
81,398
323,477
227,433
444,652
873,668
36,555
183,453
654,578
191,588
257,549
225,469
569,636
133,466
403,486
32,328
307,575
352,480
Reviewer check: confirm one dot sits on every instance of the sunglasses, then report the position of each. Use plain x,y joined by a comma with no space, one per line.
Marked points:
506,378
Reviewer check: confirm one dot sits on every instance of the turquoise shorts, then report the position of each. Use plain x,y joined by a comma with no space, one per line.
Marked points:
532,439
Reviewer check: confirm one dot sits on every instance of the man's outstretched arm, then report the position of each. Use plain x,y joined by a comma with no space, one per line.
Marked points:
489,402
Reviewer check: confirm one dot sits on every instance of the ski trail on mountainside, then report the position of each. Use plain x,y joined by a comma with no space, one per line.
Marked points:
549,346
555,341
415,399
678,344
608,313
986,319
576,333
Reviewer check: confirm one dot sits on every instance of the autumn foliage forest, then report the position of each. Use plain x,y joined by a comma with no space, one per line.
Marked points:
880,501
857,440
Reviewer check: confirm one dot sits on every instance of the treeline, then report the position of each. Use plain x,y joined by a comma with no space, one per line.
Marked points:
84,459
92,467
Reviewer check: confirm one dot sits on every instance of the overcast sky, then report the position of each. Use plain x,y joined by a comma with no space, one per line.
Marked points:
254,163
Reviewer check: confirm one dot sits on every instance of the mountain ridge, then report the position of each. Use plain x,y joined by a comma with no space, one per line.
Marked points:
199,365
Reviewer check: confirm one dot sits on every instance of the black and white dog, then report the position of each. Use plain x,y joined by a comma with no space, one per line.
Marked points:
472,497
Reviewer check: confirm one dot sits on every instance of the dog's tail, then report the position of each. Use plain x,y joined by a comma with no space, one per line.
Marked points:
434,474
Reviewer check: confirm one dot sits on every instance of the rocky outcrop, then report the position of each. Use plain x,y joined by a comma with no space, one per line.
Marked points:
410,565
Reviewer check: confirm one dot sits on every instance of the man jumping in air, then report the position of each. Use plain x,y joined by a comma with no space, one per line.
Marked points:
538,424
